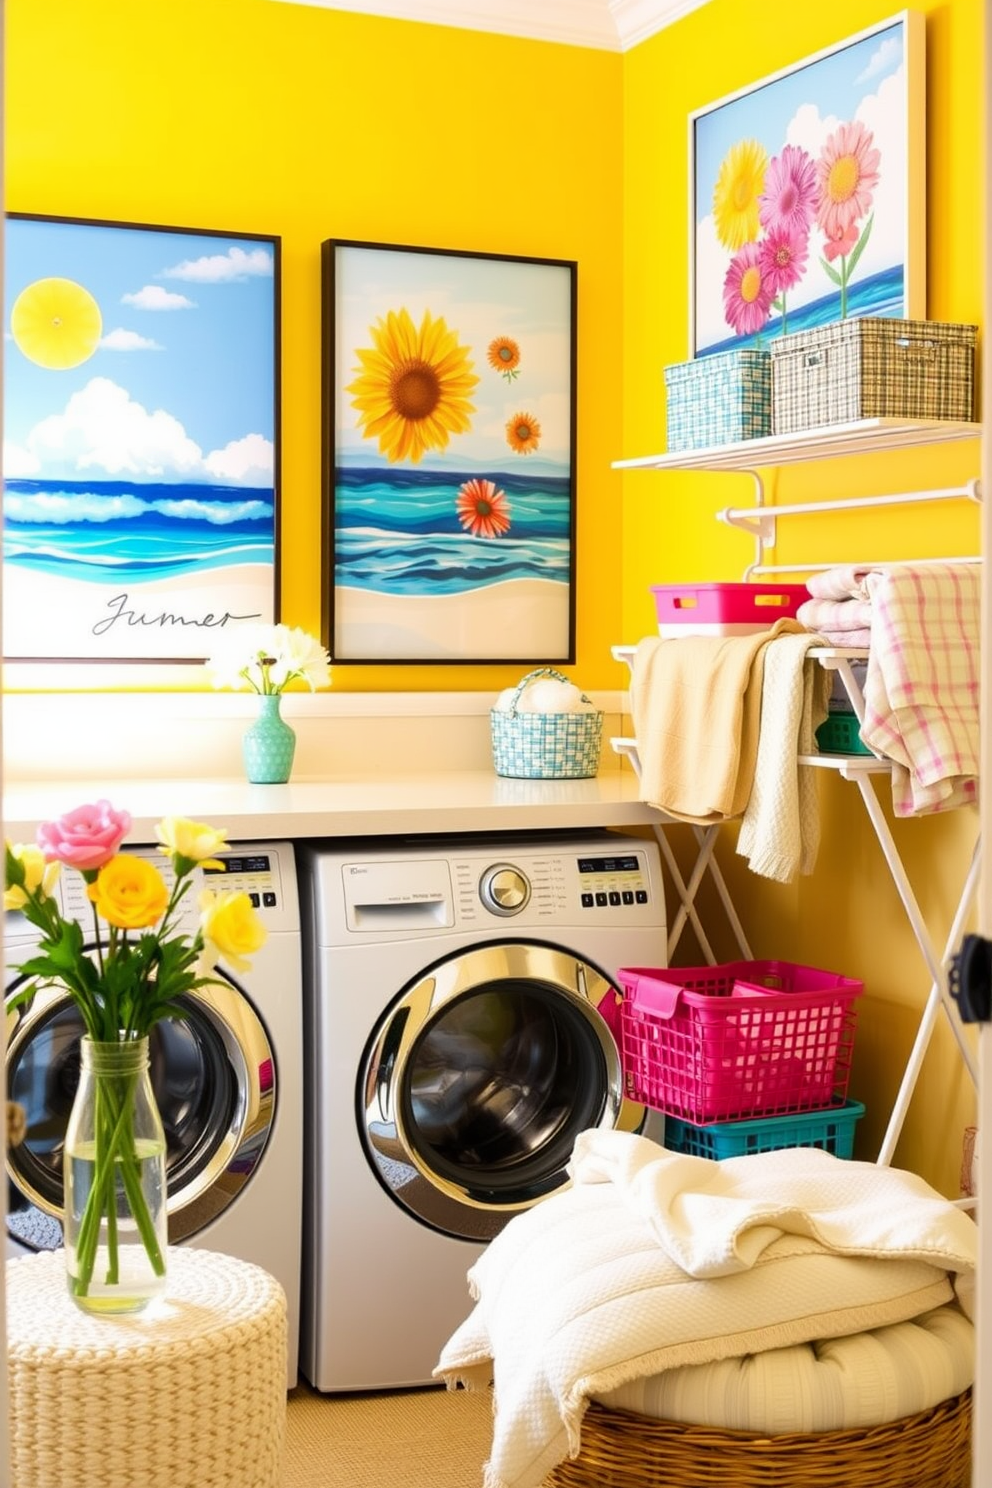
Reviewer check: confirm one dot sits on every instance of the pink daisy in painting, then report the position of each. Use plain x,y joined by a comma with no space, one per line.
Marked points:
747,293
482,510
782,258
846,173
790,194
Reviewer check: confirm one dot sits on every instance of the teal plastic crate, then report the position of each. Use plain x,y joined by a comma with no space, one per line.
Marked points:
832,1129
719,399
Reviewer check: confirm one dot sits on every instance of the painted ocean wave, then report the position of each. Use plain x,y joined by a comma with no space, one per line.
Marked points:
882,295
424,502
399,533
122,532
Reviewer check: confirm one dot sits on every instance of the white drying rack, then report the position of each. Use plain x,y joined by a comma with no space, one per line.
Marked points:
863,771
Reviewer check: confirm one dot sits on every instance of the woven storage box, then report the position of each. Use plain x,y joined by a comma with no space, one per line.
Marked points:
545,746
872,368
718,399
832,1130
737,1040
620,1449
724,609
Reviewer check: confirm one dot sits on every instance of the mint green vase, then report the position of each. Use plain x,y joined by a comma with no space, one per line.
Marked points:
268,744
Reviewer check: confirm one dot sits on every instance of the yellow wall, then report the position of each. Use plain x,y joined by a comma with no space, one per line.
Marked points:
313,124
847,916
250,116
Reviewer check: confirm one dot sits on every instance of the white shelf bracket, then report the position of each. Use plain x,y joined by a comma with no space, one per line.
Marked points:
759,522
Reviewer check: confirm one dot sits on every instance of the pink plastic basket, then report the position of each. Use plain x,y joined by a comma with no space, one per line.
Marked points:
742,1039
724,609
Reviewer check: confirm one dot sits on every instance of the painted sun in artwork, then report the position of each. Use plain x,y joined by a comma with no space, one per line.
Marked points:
414,384
56,323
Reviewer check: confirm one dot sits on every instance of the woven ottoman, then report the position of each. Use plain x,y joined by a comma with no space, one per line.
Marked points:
189,1394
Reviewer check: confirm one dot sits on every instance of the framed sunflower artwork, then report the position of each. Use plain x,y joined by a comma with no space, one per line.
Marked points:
141,449
808,194
449,455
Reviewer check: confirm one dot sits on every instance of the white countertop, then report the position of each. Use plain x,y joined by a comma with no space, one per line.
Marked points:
455,801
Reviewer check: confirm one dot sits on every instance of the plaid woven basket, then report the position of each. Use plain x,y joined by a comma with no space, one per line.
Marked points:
872,368
545,746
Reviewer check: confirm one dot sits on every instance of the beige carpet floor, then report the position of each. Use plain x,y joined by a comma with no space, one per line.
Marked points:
431,1438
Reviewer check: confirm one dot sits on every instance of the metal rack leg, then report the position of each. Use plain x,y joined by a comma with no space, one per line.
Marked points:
939,997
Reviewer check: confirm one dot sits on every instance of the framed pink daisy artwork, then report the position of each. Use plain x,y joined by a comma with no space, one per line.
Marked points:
808,194
449,466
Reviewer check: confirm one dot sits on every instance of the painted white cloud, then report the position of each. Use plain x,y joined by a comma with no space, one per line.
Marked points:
250,460
122,340
19,462
223,268
886,57
104,431
154,297
103,428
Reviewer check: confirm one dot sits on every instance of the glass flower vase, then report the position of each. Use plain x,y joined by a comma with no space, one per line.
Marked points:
115,1182
268,744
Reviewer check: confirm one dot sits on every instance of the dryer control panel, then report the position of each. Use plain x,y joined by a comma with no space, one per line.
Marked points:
595,881
265,871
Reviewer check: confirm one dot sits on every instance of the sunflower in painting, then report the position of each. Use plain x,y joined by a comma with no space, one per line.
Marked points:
504,357
523,433
413,386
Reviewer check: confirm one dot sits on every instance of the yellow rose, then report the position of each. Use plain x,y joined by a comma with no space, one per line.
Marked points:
194,841
231,929
129,892
38,876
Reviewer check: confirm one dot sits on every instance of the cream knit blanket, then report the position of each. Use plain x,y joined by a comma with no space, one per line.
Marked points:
780,832
652,1260
696,705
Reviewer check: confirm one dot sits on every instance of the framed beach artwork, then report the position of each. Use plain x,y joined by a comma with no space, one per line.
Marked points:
141,441
808,194
449,464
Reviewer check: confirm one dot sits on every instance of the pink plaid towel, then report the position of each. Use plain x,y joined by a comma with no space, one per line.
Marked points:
922,683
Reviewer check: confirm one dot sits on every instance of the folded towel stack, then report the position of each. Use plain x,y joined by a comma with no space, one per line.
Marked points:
839,606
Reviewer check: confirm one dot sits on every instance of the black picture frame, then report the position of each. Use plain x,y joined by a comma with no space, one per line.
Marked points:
449,397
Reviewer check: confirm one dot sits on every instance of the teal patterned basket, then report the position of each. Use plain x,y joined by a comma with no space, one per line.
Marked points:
545,746
719,399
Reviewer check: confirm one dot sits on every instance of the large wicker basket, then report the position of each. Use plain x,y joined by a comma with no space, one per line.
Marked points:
623,1450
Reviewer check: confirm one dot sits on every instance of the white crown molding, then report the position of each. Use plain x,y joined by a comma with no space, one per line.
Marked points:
611,25
636,20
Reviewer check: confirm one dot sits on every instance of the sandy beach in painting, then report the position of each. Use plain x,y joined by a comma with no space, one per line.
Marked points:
521,618
164,618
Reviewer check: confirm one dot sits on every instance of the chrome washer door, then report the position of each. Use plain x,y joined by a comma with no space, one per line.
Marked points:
214,1076
478,1079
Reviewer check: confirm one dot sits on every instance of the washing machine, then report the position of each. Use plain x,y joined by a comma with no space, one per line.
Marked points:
227,1074
455,1049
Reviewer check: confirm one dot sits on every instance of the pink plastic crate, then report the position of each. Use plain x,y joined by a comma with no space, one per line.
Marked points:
742,1039
724,609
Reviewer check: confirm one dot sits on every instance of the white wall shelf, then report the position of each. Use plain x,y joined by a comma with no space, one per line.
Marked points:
862,437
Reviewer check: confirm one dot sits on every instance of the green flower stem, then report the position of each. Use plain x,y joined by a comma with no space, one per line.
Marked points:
114,1144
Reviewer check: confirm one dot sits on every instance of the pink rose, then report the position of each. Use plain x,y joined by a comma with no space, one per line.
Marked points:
85,838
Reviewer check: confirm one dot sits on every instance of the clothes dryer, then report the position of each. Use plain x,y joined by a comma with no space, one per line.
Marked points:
228,1077
455,1050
